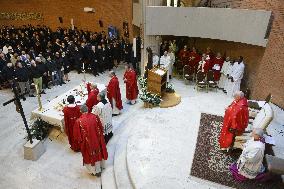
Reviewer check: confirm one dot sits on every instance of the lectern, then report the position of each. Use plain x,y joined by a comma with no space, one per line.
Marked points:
157,81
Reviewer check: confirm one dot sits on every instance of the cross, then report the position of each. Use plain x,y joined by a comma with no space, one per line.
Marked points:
19,107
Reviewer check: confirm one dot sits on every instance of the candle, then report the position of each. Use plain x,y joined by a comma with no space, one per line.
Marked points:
83,66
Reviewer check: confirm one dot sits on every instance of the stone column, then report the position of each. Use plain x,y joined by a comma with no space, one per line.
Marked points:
148,41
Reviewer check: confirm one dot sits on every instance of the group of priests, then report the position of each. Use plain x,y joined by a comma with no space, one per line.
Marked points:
228,73
89,126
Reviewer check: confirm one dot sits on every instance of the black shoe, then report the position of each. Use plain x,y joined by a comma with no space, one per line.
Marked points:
113,115
42,92
98,174
63,83
48,87
31,95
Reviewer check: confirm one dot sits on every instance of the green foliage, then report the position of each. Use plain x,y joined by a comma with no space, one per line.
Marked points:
170,88
40,129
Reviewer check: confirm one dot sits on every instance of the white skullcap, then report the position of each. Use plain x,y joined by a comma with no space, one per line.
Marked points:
258,131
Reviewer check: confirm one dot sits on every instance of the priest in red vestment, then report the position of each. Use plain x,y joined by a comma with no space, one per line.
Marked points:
88,131
71,114
113,94
218,62
93,92
235,121
131,85
194,59
183,56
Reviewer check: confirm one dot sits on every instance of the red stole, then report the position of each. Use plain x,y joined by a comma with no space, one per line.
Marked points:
113,91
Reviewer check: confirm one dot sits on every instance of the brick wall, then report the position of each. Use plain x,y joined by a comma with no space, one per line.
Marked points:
266,67
111,12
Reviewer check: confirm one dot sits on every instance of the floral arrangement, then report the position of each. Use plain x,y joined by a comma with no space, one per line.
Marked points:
40,129
170,88
146,96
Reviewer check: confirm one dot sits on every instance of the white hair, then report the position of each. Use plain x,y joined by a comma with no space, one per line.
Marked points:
258,131
239,94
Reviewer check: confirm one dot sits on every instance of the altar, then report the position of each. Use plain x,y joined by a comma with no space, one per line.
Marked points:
52,111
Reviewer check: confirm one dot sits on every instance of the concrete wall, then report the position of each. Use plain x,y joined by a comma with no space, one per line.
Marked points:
111,12
246,26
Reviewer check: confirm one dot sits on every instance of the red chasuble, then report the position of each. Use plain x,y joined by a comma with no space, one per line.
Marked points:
183,56
236,118
131,84
92,98
195,58
71,114
113,91
88,131
220,62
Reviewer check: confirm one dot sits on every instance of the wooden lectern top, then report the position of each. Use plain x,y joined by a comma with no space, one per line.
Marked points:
157,80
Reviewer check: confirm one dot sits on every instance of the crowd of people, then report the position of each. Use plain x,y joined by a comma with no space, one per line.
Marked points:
42,57
228,73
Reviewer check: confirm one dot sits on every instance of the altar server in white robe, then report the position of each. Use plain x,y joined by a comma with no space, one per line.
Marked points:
104,111
173,59
156,60
249,164
236,77
223,78
228,82
165,63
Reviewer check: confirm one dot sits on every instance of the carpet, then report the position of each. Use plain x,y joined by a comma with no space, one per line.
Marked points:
211,164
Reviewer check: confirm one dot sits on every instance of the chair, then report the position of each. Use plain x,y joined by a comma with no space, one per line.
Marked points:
179,67
255,106
201,81
211,81
262,120
188,74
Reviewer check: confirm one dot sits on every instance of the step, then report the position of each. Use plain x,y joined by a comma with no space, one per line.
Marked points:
120,167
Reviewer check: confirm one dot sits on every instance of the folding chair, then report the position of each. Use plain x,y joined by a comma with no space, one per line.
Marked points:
211,81
188,74
201,81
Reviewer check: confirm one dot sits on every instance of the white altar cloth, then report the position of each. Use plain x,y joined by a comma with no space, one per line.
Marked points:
54,116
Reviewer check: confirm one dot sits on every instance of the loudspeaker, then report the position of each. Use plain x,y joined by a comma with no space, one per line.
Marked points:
101,23
60,19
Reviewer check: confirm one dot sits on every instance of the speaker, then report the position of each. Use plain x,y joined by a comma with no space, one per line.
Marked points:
101,23
60,19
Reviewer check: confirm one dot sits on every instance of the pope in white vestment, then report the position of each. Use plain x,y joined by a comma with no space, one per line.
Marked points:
224,72
165,63
249,164
236,77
